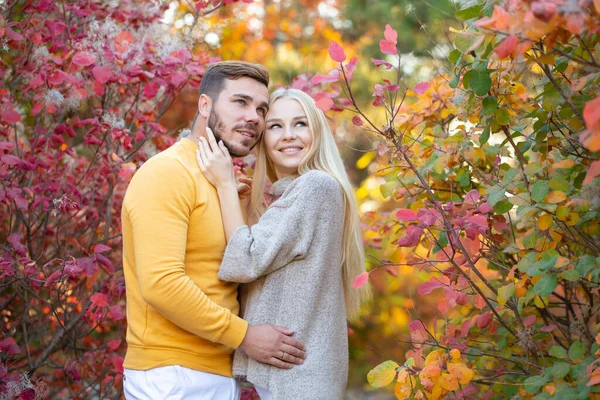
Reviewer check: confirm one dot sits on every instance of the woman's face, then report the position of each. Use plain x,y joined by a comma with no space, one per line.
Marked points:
287,136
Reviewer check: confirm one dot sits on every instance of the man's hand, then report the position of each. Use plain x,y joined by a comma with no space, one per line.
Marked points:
273,345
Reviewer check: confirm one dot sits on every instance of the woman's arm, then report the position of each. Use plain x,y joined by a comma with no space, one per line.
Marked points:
216,165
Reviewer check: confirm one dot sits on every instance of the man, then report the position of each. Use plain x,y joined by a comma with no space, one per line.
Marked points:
182,321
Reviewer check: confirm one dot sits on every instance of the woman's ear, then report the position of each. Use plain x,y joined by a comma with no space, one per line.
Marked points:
204,105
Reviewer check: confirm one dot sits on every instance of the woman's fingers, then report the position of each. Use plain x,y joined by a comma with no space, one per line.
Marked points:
212,142
224,149
200,161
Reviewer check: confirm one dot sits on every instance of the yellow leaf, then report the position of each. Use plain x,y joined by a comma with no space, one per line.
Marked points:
463,373
403,387
545,222
434,356
448,382
537,300
556,196
365,160
563,164
572,219
547,59
455,354
383,374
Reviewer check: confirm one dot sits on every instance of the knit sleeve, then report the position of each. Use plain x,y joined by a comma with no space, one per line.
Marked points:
284,232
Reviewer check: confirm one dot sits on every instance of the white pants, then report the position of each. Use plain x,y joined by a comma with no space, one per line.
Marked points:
175,382
264,393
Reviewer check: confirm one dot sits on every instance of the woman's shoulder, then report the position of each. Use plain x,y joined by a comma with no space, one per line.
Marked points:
319,180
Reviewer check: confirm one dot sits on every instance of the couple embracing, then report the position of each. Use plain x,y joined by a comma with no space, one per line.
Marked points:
187,246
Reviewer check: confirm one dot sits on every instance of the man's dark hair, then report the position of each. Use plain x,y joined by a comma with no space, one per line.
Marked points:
213,81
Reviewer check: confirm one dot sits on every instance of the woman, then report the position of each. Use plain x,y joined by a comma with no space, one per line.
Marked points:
302,255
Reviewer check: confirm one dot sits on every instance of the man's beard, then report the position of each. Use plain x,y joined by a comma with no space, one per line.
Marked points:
217,126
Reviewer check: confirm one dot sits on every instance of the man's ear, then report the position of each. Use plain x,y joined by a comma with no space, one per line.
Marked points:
204,105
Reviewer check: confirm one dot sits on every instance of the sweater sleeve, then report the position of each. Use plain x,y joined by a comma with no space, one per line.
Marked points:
284,232
162,198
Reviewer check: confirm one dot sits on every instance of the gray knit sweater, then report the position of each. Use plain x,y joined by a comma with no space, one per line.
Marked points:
291,258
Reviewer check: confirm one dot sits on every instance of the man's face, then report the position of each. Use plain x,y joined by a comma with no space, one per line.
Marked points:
238,116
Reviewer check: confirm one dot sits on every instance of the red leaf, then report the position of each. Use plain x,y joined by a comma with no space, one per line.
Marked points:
592,172
118,364
507,47
377,63
115,313
114,344
428,217
406,215
336,52
10,346
548,328
387,47
11,160
12,35
412,238
390,34
357,121
325,104
484,320
576,23
351,67
53,278
530,320
177,78
102,74
11,116
100,248
122,41
360,280
421,87
84,58
99,299
472,196
543,10
479,220
429,287
318,79
6,146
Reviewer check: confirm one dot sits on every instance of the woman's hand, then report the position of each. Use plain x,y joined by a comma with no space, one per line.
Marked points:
244,188
215,162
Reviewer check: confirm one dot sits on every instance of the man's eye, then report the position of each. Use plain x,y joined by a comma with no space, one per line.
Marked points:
262,111
241,102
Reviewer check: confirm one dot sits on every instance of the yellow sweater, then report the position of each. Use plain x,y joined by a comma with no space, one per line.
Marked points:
178,311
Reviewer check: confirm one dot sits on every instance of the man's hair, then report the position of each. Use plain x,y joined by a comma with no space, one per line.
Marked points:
213,81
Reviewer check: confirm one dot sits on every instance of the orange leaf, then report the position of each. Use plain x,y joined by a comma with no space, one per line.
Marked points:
597,5
575,23
556,196
592,172
462,373
122,41
545,222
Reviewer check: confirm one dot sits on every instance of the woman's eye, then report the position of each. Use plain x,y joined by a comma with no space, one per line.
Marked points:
301,123
274,126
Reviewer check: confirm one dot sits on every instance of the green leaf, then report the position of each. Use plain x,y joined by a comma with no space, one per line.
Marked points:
409,362
558,352
454,82
585,264
560,370
489,105
502,116
383,374
535,383
539,190
496,196
454,56
481,81
468,13
485,136
533,168
570,275
546,285
559,183
503,207
577,351
505,292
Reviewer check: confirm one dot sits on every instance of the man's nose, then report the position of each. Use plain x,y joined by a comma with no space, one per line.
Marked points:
253,116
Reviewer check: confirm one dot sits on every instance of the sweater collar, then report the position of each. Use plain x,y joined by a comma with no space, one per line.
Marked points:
281,185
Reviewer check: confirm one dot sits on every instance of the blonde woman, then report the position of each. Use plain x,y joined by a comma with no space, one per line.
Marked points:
301,256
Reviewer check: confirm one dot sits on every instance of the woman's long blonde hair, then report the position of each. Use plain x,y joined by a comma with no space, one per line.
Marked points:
323,155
